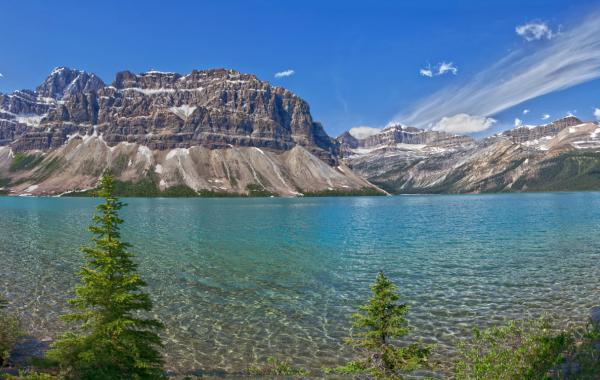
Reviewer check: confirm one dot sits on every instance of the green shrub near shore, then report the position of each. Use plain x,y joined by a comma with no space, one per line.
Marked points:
10,332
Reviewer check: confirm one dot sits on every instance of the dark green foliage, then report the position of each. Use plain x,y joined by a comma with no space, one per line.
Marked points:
572,171
376,327
275,367
47,168
22,161
33,376
119,164
10,332
365,191
143,188
113,340
255,190
519,350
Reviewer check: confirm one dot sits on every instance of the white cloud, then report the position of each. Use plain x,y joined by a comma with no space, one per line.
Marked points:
426,72
571,58
363,132
286,73
518,122
533,31
525,111
463,123
1,76
447,67
440,69
570,114
545,116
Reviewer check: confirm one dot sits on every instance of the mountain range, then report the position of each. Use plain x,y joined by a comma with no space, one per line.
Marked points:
558,156
222,132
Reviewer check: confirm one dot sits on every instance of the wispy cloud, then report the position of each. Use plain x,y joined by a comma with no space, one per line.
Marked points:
533,31
1,75
518,122
597,113
525,111
573,57
285,73
440,69
545,116
363,132
463,123
447,67
426,72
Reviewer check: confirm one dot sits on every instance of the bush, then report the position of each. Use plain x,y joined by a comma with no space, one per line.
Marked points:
275,367
10,333
33,376
519,350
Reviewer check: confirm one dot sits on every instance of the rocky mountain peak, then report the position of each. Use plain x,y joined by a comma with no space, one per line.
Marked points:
530,133
64,81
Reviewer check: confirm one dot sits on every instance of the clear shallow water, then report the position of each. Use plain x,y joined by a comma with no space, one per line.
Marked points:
237,280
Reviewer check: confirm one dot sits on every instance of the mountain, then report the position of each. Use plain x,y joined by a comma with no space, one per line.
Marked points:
211,131
559,156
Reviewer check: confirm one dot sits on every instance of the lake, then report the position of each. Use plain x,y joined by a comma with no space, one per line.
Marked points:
238,280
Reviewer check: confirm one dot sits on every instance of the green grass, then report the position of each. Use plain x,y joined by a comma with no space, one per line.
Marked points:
23,161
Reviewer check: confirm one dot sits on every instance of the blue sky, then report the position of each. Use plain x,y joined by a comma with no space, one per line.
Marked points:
356,63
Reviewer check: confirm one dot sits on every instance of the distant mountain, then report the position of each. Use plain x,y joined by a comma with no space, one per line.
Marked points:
562,155
212,131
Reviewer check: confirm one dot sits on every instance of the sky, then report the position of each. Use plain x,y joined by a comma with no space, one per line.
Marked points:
471,66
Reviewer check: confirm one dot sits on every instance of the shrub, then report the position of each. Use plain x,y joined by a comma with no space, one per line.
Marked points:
519,350
10,332
112,341
275,367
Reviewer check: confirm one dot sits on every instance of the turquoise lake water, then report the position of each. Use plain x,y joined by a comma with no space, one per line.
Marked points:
238,280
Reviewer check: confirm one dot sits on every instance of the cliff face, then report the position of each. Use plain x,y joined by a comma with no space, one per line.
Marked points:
164,112
562,155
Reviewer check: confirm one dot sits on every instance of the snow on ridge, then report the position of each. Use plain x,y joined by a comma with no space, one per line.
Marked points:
177,152
31,120
145,152
184,111
150,91
156,72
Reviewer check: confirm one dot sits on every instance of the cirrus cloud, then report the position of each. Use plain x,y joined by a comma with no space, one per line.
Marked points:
569,59
463,123
285,73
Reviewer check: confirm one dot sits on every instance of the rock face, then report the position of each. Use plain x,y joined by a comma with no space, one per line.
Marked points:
563,155
162,113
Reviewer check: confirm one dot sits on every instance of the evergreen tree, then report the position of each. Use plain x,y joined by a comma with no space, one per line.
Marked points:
114,340
376,327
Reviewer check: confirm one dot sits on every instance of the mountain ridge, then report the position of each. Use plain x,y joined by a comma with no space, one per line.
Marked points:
78,126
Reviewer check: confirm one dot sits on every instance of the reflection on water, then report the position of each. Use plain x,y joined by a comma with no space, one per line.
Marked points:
237,280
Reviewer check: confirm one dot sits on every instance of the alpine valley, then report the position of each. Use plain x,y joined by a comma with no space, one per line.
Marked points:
224,133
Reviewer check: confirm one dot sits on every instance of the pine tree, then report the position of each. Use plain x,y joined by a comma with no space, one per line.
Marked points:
113,340
376,327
